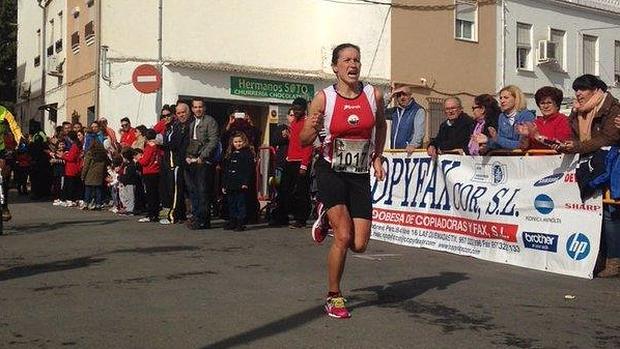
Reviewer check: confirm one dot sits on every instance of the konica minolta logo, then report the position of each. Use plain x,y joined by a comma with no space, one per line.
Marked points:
540,241
543,204
548,180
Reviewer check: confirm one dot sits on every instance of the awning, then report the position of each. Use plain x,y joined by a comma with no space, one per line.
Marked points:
49,107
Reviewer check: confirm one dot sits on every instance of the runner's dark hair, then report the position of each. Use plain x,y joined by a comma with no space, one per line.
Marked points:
337,49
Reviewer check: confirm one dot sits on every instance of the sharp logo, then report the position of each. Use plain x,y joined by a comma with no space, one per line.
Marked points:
540,241
349,106
543,204
549,180
582,207
578,246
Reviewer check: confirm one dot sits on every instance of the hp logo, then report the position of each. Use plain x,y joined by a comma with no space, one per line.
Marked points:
578,246
543,204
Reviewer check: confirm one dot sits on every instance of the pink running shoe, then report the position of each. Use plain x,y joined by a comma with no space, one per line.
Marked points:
321,227
334,307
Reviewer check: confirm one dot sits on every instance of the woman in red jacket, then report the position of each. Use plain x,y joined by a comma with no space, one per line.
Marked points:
551,128
73,162
149,162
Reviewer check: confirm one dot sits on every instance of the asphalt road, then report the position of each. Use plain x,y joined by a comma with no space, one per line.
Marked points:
73,279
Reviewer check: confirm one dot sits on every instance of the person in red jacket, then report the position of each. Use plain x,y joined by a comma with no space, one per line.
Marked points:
550,129
73,159
149,162
294,193
128,135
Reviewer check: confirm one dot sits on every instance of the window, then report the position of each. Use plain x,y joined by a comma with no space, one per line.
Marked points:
75,42
465,20
50,50
37,61
524,46
436,115
60,32
558,37
89,33
617,63
590,55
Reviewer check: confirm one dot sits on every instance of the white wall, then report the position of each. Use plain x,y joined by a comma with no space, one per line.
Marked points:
287,35
120,99
29,19
291,34
544,15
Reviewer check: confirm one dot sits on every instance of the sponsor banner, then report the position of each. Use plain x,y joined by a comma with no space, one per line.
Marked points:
524,211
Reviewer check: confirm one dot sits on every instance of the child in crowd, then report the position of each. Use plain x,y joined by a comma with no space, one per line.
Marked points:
93,175
55,149
22,168
112,181
149,161
72,158
128,180
238,164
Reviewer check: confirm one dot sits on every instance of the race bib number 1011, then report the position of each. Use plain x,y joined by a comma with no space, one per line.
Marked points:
351,155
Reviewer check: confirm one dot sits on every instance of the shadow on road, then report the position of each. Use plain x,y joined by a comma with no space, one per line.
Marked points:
390,295
47,227
34,269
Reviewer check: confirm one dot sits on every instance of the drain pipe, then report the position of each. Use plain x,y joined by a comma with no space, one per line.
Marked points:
159,96
43,56
97,59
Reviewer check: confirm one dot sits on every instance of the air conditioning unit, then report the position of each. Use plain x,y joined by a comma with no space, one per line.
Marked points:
24,89
546,51
54,66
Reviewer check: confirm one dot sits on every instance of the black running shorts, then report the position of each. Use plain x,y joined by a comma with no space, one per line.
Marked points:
349,189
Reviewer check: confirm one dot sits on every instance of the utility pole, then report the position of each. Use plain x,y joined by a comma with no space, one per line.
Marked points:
159,96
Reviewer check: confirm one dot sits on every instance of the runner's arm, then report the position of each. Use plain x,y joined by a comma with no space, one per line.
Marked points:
380,124
314,120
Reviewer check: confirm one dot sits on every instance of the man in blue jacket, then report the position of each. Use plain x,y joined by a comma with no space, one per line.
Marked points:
408,120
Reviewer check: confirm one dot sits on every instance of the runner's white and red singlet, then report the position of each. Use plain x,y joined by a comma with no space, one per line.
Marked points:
349,130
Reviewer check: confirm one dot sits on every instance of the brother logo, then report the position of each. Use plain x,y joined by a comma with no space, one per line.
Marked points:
578,246
543,204
548,180
540,241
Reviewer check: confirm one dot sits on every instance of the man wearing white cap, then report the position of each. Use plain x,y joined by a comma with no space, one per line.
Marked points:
408,119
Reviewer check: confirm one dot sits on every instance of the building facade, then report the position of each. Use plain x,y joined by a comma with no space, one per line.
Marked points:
465,48
550,43
272,51
41,62
81,60
258,59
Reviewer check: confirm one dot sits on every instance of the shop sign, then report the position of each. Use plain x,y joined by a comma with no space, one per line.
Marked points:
241,86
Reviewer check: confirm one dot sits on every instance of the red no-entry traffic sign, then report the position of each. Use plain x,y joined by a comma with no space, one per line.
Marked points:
146,78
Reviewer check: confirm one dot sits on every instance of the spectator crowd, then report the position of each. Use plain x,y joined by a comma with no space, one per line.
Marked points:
185,169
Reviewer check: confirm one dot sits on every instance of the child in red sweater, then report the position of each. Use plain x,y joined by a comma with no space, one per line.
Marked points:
149,162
